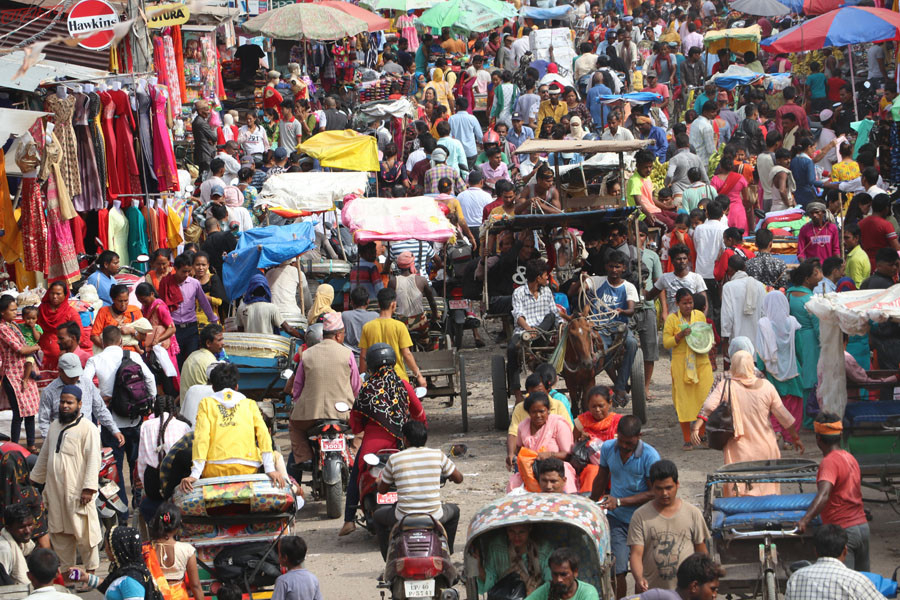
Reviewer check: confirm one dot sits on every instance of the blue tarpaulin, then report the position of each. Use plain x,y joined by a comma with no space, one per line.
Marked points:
264,247
633,98
542,14
727,82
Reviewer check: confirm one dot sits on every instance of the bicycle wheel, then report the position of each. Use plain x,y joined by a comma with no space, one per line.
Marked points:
771,589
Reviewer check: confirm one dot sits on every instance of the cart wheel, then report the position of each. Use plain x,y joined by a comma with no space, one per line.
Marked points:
638,393
498,382
463,393
771,591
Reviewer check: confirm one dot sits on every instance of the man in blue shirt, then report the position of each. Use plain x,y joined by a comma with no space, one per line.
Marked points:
625,466
466,128
105,275
519,132
599,111
648,131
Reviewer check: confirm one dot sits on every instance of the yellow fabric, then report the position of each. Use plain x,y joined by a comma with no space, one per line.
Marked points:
223,433
202,320
688,397
213,470
391,332
343,150
738,40
321,303
519,415
173,228
11,242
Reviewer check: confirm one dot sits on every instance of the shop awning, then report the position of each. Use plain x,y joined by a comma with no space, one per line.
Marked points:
45,70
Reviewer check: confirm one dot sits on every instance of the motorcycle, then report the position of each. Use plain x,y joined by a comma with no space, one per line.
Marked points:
109,503
369,498
418,562
458,307
331,460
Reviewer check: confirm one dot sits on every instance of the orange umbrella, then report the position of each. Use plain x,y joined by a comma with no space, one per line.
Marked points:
374,22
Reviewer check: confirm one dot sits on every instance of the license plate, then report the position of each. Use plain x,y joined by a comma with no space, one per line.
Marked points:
109,490
419,588
335,445
455,304
389,498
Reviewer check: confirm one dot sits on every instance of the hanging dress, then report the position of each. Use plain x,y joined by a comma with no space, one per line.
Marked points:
62,261
126,161
94,109
407,27
92,196
109,140
118,235
137,234
64,109
33,222
163,153
144,116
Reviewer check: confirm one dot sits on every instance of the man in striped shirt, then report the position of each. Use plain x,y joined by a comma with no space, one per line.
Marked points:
416,472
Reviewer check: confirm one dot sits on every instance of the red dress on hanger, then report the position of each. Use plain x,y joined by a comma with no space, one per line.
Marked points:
163,222
126,162
107,116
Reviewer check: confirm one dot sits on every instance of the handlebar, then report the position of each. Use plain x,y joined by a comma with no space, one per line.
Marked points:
769,533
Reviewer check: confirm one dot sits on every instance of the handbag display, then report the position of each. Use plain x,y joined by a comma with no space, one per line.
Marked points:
720,423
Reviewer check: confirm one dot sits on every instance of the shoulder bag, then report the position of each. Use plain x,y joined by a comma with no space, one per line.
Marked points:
720,423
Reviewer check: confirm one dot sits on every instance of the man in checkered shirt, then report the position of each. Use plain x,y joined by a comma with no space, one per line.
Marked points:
533,309
828,578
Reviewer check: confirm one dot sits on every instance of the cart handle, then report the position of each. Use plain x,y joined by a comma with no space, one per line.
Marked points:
778,533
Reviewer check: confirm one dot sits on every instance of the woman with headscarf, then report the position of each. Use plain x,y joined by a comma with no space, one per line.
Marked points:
384,405
777,358
258,314
129,578
321,303
234,203
53,312
465,88
753,400
505,95
442,90
576,131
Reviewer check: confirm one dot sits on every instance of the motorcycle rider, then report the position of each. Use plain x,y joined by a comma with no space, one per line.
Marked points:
385,403
417,472
327,373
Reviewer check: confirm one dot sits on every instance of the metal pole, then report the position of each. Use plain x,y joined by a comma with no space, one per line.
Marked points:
853,82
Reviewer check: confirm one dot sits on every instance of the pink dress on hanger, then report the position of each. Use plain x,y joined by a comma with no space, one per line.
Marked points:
406,25
108,116
129,177
163,154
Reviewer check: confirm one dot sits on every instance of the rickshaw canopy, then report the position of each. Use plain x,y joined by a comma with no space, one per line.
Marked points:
345,149
583,220
738,40
582,146
395,219
850,313
293,195
264,247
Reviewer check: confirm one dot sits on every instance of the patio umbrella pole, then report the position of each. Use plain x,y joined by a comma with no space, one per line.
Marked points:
853,82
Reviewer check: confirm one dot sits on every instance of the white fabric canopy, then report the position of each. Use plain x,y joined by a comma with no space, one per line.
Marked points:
311,192
848,312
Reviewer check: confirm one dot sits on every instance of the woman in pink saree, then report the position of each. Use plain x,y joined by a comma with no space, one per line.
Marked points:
752,401
156,311
543,435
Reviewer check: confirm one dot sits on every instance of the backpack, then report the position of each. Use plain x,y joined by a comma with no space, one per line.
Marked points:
235,564
131,398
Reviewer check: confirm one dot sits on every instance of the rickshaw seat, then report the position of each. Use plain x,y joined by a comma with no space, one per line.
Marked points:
871,412
754,520
760,504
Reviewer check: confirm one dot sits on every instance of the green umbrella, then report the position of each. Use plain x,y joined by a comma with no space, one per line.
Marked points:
306,21
468,15
402,5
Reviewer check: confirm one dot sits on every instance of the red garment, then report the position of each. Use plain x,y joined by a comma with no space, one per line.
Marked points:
177,44
834,85
272,99
50,320
487,209
150,227
220,134
103,226
170,293
845,505
794,109
78,233
129,179
722,264
875,233
162,232
112,155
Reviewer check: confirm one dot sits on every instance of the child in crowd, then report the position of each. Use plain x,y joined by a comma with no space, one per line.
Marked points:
297,583
680,235
598,425
31,331
177,561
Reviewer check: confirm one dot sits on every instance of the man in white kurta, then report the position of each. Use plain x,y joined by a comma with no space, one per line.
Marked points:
69,466
742,299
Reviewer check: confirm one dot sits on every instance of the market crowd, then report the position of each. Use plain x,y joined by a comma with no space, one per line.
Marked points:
749,200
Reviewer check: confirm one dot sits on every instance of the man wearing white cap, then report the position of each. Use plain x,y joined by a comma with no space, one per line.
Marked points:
327,374
92,405
827,141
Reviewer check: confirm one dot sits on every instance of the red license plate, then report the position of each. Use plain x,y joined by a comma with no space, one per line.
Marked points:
463,304
335,445
389,498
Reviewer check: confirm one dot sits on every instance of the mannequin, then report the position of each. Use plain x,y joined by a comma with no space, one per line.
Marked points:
102,87
48,135
151,203
78,88
154,80
116,85
61,92
88,88
117,204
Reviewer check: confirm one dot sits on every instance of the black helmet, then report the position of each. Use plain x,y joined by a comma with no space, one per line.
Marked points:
378,355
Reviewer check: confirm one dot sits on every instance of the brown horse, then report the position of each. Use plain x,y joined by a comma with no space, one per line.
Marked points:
584,351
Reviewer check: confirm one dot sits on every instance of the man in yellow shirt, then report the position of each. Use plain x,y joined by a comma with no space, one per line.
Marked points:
387,330
858,265
553,108
230,435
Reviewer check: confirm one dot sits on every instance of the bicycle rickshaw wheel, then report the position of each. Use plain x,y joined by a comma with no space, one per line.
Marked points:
771,590
638,391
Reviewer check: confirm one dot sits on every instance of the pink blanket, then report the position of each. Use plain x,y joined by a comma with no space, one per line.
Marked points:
394,219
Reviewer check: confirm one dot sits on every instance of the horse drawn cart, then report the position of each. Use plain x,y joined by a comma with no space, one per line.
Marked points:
576,347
